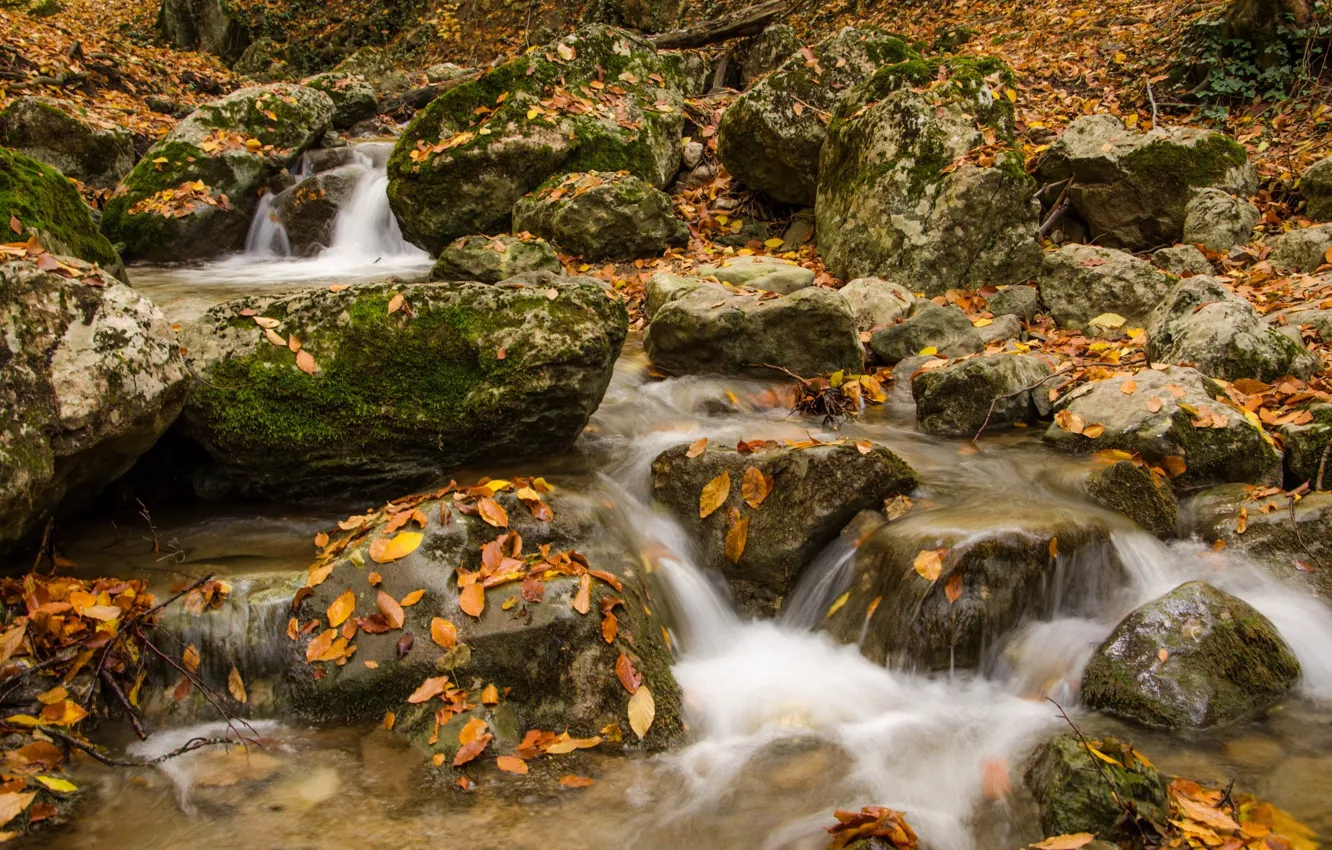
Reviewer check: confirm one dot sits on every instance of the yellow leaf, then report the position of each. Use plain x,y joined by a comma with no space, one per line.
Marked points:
191,658
982,323
928,350
52,696
236,686
1093,431
837,605
755,487
402,545
443,633
714,494
1103,757
929,563
642,711
60,786
736,537
340,609
1108,320
1066,842
532,113
772,243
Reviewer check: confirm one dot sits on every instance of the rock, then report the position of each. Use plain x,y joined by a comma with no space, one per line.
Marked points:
1067,782
890,202
551,667
1021,301
740,233
264,61
396,399
691,155
957,399
945,329
1132,188
702,327
600,216
1302,250
447,72
211,26
469,182
904,372
92,378
1001,329
1319,320
46,130
48,207
377,67
1218,220
648,16
765,52
815,492
877,303
1000,565
1306,447
770,137
1204,324
354,99
1222,661
1137,493
327,159
1235,451
769,274
159,218
1182,260
1316,186
309,210
490,259
1080,282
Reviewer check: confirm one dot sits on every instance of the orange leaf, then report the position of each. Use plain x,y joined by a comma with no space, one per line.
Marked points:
472,750
493,512
341,608
432,687
736,537
929,563
755,487
953,588
320,645
395,303
1174,465
474,729
412,598
490,695
582,602
609,627
511,764
714,494
389,607
696,448
472,599
1154,404
627,674
443,633
305,362
572,781
1128,387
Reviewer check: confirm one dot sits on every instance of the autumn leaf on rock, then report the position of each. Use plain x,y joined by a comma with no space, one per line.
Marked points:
572,781
696,448
490,695
389,607
714,494
473,730
627,674
472,599
306,362
472,750
737,534
1065,842
191,658
385,550
953,588
236,686
443,632
582,602
755,486
929,563
492,512
412,598
642,711
395,303
320,645
341,608
432,687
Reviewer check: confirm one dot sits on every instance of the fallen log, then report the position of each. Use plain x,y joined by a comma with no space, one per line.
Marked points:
737,24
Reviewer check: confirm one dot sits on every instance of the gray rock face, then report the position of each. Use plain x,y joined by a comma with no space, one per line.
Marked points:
946,329
47,131
815,492
1302,250
354,98
1204,324
1132,188
1223,661
207,25
309,210
1218,220
1316,185
767,51
1137,493
380,399
643,15
601,216
891,204
316,160
490,259
1066,780
770,137
954,401
769,274
1002,328
877,303
1223,447
700,327
1305,445
1021,301
1182,261
1080,282
456,171
92,378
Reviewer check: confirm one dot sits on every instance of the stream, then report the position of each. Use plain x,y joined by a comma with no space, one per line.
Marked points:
786,724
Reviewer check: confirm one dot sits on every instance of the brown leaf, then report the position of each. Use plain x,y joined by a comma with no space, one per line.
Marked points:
572,781
627,674
395,303
696,448
755,487
389,607
305,362
236,686
492,512
714,494
582,602
341,608
609,627
191,658
472,599
1174,465
472,750
737,534
511,764
953,588
444,633
404,645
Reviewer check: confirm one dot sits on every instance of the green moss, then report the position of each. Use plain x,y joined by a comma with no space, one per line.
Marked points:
1169,165
40,197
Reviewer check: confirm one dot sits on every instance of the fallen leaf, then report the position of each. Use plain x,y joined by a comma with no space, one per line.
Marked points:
443,633
389,607
472,599
572,781
472,750
389,719
60,786
929,563
395,303
1066,842
320,645
490,695
341,608
191,658
1154,404
236,686
305,362
736,537
642,711
714,494
582,602
431,687
492,512
474,729
412,598
12,804
755,487
696,448
1128,387
953,588
385,550
627,674
837,604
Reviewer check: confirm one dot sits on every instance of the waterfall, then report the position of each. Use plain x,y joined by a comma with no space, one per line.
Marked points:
267,239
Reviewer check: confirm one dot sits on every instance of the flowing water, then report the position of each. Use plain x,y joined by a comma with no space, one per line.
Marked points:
785,723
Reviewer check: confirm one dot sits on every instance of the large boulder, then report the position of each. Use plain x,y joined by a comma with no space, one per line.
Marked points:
892,200
211,26
877,303
1316,186
1302,250
770,137
1218,220
643,15
92,378
940,596
1133,188
466,159
765,52
805,496
48,207
46,130
1308,457
490,259
1204,324
995,392
600,216
770,274
1080,282
1138,493
395,385
1196,657
1070,785
308,211
193,194
945,329
699,327
354,98
1177,419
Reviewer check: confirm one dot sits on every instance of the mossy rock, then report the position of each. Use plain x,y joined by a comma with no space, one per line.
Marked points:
1193,658
49,207
1316,186
598,216
1080,282
525,133
643,15
1139,494
892,201
1076,790
458,373
212,26
959,399
1303,249
354,98
46,130
491,259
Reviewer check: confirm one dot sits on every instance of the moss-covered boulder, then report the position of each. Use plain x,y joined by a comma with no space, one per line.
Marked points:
1138,493
1196,657
48,207
765,52
941,595
308,211
958,399
1193,433
1316,186
466,159
92,378
394,385
599,216
804,497
702,327
490,259
527,635
1070,785
210,26
1131,188
354,98
1080,282
193,194
1203,323
1306,446
1302,250
770,137
48,131
945,329
893,200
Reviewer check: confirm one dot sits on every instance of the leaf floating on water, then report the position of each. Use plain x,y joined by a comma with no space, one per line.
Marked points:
696,448
389,607
341,608
929,563
627,674
511,764
755,487
385,550
953,588
737,534
443,633
1065,842
714,494
236,686
837,604
572,781
472,599
642,711
492,512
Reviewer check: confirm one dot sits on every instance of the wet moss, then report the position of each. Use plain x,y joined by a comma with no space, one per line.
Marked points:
40,197
1173,165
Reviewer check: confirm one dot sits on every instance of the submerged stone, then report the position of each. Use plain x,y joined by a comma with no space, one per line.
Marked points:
1070,786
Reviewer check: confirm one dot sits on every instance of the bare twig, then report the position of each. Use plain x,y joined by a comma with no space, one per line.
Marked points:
207,692
1322,466
1129,812
1152,97
110,683
1017,392
1295,526
189,746
1057,210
